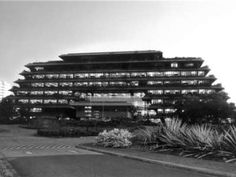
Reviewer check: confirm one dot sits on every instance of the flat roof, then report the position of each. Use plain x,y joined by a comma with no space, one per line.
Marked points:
110,53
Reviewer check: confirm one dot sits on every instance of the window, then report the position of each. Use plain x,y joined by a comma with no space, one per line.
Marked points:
154,83
171,91
79,75
188,73
66,76
66,84
174,65
104,84
189,64
158,92
171,73
154,74
95,83
134,83
189,82
77,84
23,101
51,84
36,110
39,68
189,91
52,76
50,101
36,101
139,74
38,76
36,92
37,84
22,92
203,82
96,75
62,101
201,73
170,110
171,82
205,91
139,94
157,101
50,92
65,92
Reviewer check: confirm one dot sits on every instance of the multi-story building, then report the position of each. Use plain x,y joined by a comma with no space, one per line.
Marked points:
111,84
4,89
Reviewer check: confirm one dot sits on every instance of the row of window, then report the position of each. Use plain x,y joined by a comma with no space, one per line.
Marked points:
81,95
125,95
172,65
185,91
60,92
118,75
160,101
183,82
120,83
166,110
45,101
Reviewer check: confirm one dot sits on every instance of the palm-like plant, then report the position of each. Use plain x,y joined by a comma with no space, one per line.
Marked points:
230,140
147,135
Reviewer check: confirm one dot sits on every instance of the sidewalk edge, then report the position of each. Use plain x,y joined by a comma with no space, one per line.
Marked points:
170,164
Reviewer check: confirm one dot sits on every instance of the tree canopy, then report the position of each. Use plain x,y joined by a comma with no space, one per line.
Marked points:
6,109
211,108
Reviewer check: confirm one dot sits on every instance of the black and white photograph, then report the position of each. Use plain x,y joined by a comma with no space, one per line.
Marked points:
118,88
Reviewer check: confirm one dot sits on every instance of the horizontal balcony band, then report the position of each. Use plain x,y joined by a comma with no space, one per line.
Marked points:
204,68
28,96
44,105
134,88
163,78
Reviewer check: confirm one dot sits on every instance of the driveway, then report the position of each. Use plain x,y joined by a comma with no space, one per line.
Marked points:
33,156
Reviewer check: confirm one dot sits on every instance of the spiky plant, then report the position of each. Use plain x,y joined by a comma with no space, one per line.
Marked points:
147,135
230,140
173,133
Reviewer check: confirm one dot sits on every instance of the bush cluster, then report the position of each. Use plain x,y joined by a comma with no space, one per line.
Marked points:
68,132
192,140
115,138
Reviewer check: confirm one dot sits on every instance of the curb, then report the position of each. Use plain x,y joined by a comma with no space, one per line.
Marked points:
164,163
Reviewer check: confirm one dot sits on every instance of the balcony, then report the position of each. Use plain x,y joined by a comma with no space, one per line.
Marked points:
25,72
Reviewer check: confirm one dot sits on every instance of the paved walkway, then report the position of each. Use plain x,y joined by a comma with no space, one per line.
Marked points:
19,142
27,155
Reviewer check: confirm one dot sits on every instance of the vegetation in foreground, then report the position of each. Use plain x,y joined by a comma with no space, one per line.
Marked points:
198,141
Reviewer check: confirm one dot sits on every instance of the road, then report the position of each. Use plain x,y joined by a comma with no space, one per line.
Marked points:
34,156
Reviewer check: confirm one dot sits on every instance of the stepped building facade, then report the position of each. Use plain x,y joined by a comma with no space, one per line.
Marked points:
111,84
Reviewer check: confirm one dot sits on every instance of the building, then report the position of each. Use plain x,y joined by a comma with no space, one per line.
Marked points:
111,84
4,89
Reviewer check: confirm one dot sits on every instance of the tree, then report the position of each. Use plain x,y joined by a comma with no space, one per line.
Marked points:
6,109
211,108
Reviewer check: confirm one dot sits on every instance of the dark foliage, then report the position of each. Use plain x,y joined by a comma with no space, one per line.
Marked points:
208,108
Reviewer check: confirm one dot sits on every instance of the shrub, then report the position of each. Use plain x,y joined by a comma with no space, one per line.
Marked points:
198,137
198,141
147,135
115,138
68,132
230,140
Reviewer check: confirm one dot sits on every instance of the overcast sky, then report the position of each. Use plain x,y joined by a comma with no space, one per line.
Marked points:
40,31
